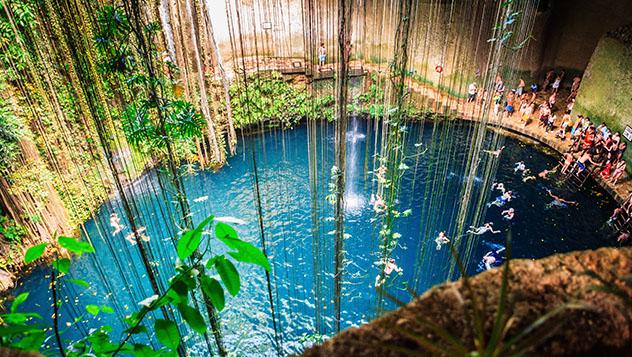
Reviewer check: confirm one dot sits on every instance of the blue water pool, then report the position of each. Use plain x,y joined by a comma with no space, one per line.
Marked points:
298,225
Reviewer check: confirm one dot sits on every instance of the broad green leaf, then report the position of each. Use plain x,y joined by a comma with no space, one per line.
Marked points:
193,318
34,253
191,240
107,309
179,293
75,246
18,301
12,330
32,341
79,282
167,333
143,351
62,265
19,318
93,309
223,230
246,252
229,274
213,289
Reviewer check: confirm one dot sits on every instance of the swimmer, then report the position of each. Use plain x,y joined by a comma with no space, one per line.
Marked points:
519,166
624,236
501,200
508,214
527,178
495,152
389,267
441,240
559,202
492,259
200,199
545,173
130,238
379,206
487,227
498,186
380,174
115,222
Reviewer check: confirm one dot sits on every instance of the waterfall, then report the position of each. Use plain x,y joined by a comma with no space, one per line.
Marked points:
163,9
353,200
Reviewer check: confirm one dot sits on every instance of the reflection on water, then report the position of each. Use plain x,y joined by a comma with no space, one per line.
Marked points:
430,188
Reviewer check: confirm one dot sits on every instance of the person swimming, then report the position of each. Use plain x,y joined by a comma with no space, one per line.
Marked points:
115,222
501,200
498,186
495,152
380,173
487,227
559,202
545,173
526,178
441,240
379,206
519,166
492,259
140,232
508,214
389,267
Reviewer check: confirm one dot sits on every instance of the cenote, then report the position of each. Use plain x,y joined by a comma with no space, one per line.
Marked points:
298,222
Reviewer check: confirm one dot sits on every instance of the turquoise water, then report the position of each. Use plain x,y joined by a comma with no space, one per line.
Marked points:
282,159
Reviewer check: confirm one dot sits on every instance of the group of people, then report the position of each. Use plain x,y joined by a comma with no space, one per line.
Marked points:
593,144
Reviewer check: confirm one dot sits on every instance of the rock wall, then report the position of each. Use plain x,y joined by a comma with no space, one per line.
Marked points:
575,27
536,287
605,94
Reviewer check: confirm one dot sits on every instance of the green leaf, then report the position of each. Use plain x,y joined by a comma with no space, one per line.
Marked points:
143,351
93,309
191,240
246,252
179,293
75,246
62,265
32,341
18,301
223,230
213,289
34,253
79,282
193,318
107,309
137,330
167,333
229,274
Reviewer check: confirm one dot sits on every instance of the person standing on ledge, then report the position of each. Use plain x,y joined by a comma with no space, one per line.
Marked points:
322,56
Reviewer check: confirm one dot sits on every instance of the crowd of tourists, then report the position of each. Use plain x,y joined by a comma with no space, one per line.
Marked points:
594,146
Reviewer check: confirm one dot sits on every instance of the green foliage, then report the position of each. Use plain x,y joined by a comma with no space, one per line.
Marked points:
12,55
11,231
267,98
75,246
34,253
18,330
10,132
167,333
143,130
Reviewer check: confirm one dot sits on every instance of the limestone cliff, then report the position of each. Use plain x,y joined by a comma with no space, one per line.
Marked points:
536,287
